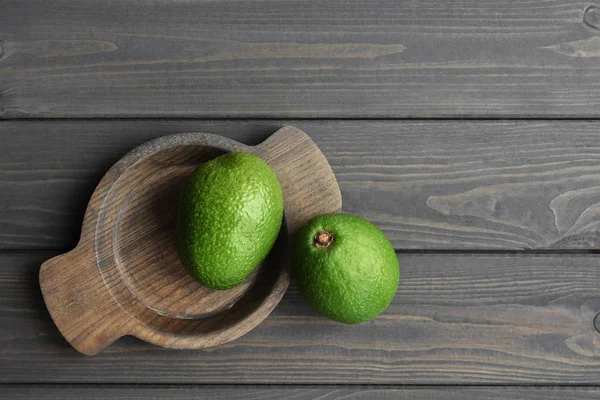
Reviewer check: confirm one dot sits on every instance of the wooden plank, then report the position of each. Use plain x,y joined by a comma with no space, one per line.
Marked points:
378,58
463,319
245,392
428,185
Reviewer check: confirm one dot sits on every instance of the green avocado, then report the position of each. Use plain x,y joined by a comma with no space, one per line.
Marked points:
229,215
345,267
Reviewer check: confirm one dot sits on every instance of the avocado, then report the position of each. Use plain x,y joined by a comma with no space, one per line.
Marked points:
229,215
345,267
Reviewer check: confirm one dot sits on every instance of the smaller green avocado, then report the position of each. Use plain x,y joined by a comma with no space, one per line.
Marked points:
345,267
229,215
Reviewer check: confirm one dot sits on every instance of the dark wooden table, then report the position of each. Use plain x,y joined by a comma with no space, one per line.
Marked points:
468,131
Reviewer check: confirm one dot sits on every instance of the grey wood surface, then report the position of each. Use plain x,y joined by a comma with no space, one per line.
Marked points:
289,392
490,315
460,319
382,58
482,185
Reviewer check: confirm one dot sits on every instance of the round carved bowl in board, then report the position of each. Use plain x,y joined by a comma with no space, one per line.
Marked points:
124,276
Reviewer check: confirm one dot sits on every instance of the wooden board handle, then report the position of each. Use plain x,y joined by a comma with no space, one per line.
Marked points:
82,309
307,180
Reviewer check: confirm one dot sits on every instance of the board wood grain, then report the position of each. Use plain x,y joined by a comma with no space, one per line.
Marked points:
460,319
377,58
291,392
479,185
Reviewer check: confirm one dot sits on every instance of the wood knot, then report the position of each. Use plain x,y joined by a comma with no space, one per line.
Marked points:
591,17
597,322
6,50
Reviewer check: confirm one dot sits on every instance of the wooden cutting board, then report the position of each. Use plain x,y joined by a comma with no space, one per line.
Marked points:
124,276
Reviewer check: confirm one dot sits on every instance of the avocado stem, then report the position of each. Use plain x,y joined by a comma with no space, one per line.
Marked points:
323,239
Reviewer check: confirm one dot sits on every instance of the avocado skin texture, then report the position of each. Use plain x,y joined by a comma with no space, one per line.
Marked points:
229,215
354,277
